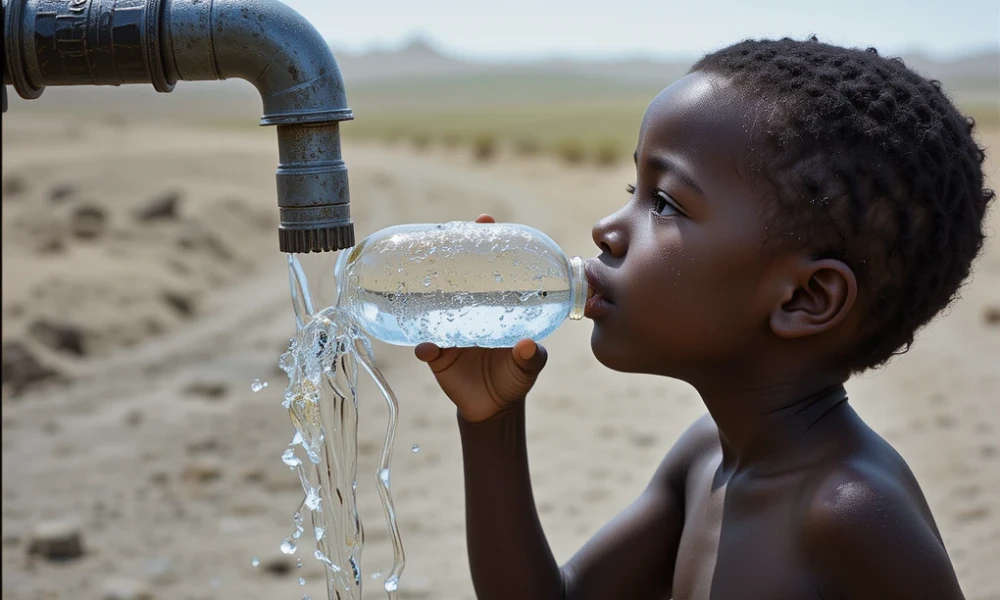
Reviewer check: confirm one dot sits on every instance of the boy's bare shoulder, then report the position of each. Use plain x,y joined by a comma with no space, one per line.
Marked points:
866,526
699,439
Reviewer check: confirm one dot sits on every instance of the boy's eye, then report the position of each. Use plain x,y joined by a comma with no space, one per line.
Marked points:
664,205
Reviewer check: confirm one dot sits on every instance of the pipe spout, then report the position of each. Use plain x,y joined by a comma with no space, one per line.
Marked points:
115,42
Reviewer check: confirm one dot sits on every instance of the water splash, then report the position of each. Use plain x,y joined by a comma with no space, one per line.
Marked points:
257,385
321,399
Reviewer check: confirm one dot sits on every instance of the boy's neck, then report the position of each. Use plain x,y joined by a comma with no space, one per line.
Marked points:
763,427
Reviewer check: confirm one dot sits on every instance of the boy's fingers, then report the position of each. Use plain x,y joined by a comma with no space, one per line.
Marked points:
529,356
484,218
427,352
437,358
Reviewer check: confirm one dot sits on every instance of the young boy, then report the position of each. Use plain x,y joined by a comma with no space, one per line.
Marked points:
799,211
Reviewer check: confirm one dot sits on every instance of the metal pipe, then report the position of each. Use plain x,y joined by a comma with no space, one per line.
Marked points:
115,42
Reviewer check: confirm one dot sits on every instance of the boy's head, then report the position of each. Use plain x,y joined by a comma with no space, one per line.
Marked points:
794,201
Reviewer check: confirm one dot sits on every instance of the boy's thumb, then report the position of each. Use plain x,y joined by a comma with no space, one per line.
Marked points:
529,356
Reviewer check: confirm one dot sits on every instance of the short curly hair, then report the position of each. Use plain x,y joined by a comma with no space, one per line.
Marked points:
870,163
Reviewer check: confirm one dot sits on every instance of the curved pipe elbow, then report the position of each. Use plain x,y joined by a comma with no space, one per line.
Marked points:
264,42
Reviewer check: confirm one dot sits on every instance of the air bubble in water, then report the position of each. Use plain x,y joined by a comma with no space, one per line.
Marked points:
258,385
415,449
287,546
255,561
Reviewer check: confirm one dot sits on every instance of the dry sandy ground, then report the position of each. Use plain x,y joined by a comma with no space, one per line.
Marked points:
141,276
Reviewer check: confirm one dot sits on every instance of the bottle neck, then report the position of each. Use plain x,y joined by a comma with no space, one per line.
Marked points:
578,286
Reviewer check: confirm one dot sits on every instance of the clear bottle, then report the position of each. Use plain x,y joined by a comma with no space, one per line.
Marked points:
460,284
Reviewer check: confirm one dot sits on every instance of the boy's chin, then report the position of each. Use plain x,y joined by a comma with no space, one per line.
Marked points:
613,355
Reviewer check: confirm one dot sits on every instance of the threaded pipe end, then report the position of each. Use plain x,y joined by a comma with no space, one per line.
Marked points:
316,239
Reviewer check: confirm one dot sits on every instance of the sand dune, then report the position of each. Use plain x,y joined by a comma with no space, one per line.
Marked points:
143,292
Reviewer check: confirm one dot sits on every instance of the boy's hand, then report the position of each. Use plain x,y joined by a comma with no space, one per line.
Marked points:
483,382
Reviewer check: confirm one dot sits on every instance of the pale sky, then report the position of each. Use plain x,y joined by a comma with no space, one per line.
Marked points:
504,29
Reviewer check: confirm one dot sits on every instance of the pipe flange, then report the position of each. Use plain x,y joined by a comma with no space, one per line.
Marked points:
326,116
318,239
12,48
154,58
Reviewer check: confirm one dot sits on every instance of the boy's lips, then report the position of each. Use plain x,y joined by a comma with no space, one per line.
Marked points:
598,303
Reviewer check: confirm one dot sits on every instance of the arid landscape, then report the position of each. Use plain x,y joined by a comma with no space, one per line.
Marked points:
143,292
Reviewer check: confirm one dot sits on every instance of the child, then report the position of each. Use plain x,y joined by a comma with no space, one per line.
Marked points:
799,211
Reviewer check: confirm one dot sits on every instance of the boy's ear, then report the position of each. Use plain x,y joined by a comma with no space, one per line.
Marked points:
815,298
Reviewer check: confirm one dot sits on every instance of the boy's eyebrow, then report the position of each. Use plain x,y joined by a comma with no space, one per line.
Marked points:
665,163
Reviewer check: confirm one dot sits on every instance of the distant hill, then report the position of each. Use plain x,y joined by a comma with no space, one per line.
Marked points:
419,78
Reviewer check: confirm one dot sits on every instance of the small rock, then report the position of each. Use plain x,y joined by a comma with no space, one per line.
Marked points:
278,566
159,478
202,471
253,475
61,337
134,418
208,445
212,390
992,316
57,540
62,192
162,207
125,589
88,222
20,368
182,303
13,187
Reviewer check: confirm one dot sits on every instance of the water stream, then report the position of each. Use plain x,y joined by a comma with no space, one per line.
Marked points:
322,367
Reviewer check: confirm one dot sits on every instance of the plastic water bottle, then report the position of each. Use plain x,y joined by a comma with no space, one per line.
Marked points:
460,284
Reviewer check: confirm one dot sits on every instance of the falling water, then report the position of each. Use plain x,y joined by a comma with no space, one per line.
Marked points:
321,398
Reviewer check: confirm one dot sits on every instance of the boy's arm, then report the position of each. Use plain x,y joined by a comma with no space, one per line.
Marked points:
631,557
869,539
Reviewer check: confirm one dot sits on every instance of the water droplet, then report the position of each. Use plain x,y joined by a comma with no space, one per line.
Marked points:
415,449
391,584
312,499
427,282
287,546
383,475
290,459
302,580
297,534
255,561
319,531
376,574
307,598
497,276
258,385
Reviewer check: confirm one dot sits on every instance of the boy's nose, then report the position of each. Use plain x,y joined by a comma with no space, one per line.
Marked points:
610,236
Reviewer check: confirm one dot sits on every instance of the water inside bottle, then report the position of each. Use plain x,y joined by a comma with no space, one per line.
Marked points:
460,284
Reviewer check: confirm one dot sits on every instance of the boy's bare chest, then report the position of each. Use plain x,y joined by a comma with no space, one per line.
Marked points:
740,543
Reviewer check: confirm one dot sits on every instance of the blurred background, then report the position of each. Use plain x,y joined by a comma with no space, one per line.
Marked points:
143,293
